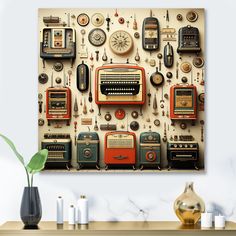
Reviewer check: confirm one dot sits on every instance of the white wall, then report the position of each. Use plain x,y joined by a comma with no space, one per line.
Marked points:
115,196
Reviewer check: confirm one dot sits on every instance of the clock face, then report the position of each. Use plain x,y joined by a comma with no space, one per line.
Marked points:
121,42
97,37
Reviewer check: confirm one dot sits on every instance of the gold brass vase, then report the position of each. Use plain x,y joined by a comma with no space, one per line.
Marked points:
189,206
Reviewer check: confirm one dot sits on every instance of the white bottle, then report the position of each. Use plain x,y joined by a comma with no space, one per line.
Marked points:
71,215
82,208
60,210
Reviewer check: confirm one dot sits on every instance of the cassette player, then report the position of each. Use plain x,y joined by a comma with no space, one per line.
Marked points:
183,102
59,150
58,104
120,149
183,154
58,43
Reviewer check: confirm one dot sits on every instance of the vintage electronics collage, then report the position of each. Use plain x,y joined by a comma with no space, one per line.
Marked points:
121,90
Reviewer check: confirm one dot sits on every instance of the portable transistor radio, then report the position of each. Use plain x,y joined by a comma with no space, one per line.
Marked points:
120,148
183,102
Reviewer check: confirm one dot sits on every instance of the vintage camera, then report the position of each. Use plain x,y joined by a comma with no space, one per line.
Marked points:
149,150
59,150
183,154
88,150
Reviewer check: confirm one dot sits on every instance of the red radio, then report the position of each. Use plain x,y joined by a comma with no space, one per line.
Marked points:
58,104
120,84
183,102
120,148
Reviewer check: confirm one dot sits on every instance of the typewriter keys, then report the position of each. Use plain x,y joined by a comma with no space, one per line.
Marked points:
97,19
157,78
121,42
83,19
97,37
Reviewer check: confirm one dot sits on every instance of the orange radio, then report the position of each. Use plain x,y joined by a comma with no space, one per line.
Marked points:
120,84
120,148
58,104
183,102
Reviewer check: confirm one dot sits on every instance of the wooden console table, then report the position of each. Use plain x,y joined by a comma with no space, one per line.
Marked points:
160,228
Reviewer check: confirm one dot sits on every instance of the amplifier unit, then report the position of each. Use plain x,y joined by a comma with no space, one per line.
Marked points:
120,148
59,150
149,150
88,150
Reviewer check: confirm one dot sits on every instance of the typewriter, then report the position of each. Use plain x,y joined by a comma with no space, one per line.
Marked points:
120,84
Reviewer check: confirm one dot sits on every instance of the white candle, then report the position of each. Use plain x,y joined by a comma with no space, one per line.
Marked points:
71,215
206,220
59,210
219,222
82,207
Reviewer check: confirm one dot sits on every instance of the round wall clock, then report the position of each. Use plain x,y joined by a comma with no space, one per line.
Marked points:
121,42
97,37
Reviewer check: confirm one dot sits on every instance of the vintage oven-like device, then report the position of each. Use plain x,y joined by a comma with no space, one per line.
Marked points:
120,148
59,150
58,104
88,150
149,150
183,153
183,102
58,43
120,84
189,40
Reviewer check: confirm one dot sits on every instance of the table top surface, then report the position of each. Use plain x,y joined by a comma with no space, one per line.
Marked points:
114,226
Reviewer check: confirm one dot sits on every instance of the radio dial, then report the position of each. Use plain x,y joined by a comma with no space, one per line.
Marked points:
87,153
151,156
150,137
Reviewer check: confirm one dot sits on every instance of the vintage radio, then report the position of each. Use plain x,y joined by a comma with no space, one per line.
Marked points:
88,150
58,43
189,40
183,102
150,34
59,150
149,150
58,104
183,154
120,84
120,148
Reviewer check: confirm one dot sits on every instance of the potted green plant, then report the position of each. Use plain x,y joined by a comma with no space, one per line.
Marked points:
31,209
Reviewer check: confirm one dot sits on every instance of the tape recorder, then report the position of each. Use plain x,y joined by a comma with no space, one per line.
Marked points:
58,43
120,84
120,149
183,154
149,150
59,150
183,102
88,150
58,104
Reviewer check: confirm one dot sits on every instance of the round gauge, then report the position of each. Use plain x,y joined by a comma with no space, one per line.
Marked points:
198,62
156,78
58,66
97,37
192,16
121,42
185,67
97,19
83,19
151,156
120,114
43,78
201,97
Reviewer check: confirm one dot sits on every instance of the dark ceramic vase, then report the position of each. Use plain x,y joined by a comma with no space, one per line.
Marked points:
31,209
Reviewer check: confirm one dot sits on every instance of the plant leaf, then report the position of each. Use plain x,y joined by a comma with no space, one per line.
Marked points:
12,146
37,161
